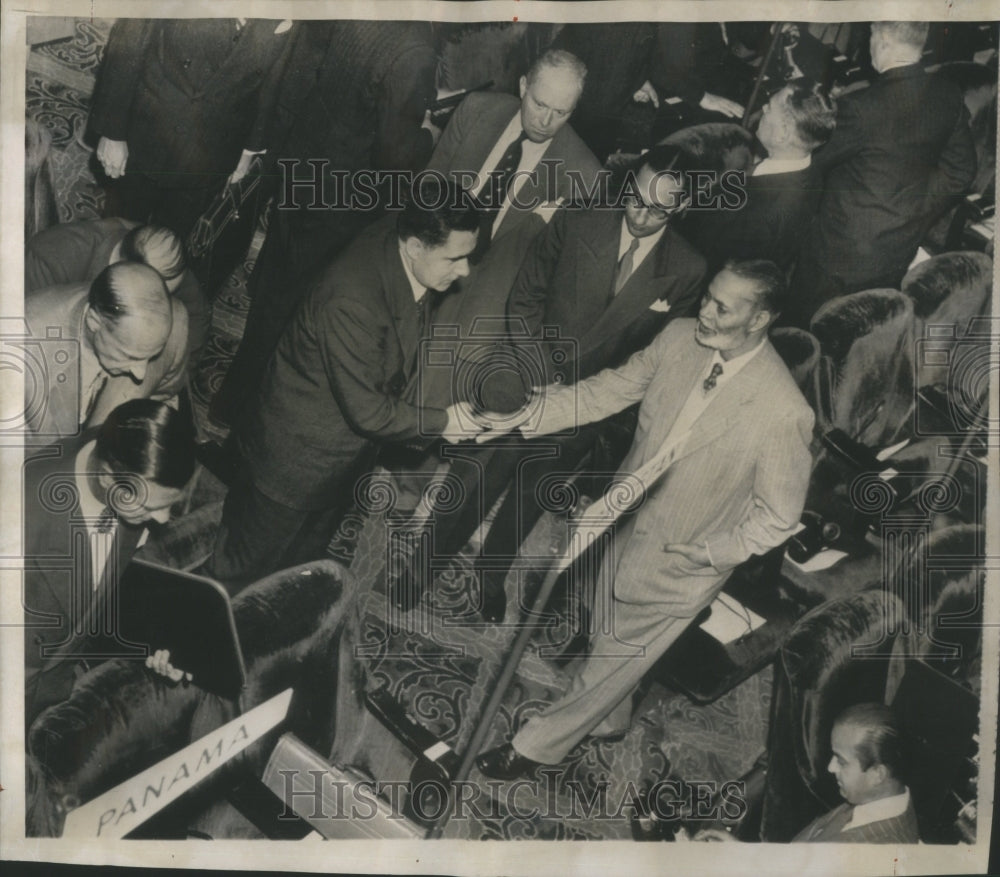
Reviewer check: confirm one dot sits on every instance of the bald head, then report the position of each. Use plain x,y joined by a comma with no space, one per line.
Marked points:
128,318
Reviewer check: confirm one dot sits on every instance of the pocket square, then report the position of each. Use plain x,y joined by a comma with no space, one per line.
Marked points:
660,306
283,26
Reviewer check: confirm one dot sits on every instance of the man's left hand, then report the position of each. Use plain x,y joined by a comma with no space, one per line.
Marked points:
697,554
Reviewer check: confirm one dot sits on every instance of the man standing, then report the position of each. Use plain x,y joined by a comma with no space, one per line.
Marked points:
781,193
341,383
603,282
717,389
129,341
901,154
181,105
521,158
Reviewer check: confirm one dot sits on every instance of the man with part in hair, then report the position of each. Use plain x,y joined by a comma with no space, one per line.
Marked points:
520,159
902,154
76,252
867,762
719,409
781,191
107,484
130,342
342,383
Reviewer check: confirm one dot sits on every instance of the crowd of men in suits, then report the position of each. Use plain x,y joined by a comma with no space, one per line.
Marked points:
639,327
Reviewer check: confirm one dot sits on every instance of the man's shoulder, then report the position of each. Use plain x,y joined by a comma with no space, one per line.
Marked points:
570,148
683,254
359,273
777,384
53,307
489,105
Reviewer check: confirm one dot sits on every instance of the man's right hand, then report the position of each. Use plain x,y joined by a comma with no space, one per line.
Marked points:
462,423
113,156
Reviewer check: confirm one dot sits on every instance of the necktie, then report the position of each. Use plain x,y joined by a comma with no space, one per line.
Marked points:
624,269
710,381
106,521
501,178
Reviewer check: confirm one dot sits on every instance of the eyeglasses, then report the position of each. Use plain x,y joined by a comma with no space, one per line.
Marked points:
637,203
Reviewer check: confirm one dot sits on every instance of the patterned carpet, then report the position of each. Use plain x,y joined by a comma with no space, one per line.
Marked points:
440,666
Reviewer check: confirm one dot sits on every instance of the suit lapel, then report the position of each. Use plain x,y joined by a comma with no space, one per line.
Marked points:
742,390
399,298
638,293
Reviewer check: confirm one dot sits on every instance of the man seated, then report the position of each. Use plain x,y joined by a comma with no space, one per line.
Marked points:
781,192
90,498
866,762
76,252
124,338
720,414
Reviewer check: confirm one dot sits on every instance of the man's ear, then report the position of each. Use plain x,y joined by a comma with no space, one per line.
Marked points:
760,320
413,247
523,85
879,773
92,320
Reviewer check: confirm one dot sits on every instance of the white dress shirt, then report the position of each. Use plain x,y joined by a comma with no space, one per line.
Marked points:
646,245
876,811
531,154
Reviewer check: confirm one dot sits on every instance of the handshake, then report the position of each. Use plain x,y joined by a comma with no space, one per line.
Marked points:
466,422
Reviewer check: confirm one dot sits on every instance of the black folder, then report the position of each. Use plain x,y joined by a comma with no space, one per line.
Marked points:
163,608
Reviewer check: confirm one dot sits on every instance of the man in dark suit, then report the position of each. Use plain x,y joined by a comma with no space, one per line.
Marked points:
87,501
721,452
357,97
599,284
867,763
341,383
536,161
76,252
180,106
901,154
781,192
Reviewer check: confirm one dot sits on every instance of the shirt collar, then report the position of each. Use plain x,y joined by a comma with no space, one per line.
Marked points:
645,243
419,291
781,165
732,367
877,811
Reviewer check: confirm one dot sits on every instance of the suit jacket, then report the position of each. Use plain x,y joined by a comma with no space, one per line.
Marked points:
344,376
566,282
738,484
58,583
900,829
902,151
471,134
189,94
771,225
76,252
55,413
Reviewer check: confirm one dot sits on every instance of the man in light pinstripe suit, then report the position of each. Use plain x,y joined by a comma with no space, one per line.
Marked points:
735,488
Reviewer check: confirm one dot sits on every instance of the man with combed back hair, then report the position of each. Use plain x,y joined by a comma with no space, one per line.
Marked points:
722,421
341,384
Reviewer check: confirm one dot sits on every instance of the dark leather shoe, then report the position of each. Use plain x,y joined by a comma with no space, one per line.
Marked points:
504,763
494,605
